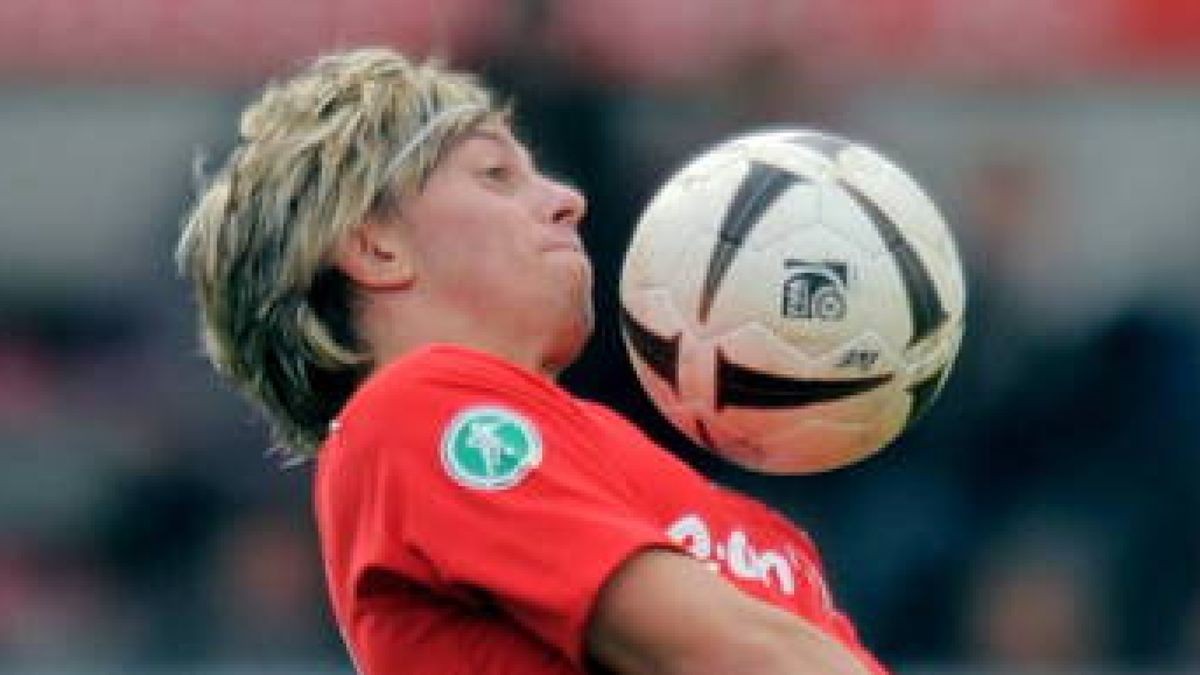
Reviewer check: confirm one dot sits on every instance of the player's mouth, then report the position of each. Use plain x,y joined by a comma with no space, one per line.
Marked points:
564,244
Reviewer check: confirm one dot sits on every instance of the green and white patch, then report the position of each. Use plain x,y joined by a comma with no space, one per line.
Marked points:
490,448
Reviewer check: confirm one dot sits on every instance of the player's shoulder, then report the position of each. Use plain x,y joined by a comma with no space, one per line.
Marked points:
428,385
443,367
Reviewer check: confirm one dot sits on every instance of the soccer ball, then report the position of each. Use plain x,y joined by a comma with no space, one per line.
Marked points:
791,300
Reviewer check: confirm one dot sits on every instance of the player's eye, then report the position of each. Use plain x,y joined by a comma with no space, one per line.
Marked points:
499,173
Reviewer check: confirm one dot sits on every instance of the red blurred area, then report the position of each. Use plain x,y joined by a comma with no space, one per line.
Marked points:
222,41
628,40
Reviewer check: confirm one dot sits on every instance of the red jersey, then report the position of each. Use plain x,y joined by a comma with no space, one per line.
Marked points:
470,511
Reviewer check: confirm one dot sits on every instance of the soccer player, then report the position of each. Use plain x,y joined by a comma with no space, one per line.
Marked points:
381,266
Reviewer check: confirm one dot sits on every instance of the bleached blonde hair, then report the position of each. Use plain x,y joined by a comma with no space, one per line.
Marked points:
344,140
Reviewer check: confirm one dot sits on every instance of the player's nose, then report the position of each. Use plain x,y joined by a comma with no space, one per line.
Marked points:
566,204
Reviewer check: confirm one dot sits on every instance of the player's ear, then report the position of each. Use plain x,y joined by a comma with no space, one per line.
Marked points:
376,255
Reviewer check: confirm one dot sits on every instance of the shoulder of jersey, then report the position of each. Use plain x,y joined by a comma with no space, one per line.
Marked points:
605,415
441,368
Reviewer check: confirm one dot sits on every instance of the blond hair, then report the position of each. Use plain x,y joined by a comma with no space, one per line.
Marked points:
340,142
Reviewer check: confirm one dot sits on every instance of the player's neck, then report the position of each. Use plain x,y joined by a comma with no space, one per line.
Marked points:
391,331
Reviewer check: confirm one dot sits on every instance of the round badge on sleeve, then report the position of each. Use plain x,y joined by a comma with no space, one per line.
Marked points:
490,448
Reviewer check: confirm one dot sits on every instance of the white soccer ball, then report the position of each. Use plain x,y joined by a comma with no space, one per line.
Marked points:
791,300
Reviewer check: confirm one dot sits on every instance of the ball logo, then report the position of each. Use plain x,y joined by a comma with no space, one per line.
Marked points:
814,290
490,448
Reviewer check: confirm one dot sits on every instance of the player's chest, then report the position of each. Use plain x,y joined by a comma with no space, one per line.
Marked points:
731,535
739,539
764,560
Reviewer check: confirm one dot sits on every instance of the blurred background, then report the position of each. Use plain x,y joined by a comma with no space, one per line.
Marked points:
1044,517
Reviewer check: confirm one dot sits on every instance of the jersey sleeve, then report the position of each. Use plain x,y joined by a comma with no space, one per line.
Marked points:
820,607
504,499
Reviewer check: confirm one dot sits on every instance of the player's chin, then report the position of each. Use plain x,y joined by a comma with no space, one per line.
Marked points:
577,274
579,320
569,339
569,255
